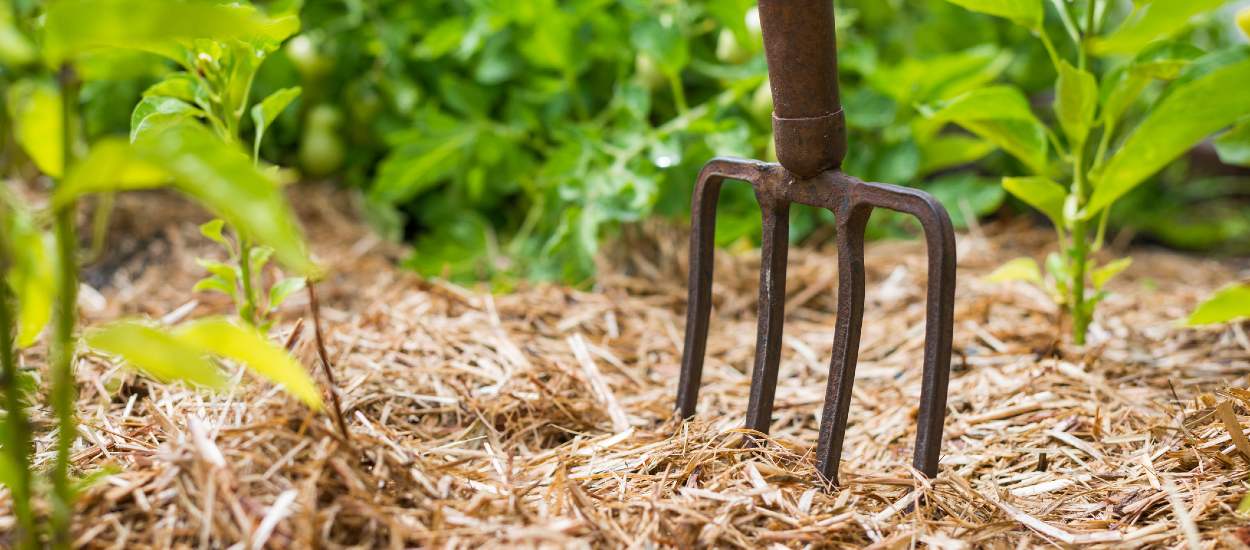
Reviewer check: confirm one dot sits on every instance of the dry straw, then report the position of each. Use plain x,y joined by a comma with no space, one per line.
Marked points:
543,417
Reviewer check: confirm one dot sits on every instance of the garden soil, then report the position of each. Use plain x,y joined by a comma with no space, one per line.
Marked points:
542,416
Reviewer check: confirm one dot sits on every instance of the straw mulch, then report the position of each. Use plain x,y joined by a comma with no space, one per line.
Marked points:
543,417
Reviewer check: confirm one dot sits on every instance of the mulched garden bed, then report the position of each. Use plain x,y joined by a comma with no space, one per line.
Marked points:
543,416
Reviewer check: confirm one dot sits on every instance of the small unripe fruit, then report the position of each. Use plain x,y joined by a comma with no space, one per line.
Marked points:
1243,21
728,50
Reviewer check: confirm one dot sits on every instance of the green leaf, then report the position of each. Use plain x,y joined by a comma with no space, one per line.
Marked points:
264,113
1228,304
966,196
1040,193
1156,20
1190,112
224,180
111,165
213,284
939,77
228,273
1076,99
1233,146
259,256
1019,269
663,43
15,49
72,27
246,345
155,113
1026,13
1000,115
32,270
279,292
158,353
1165,60
35,111
944,152
1120,90
178,86
212,229
1104,274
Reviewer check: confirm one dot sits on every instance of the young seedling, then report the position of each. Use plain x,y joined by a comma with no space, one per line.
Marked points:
1103,146
242,280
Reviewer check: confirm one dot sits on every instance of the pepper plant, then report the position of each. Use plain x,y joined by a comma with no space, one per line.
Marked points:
41,281
1097,145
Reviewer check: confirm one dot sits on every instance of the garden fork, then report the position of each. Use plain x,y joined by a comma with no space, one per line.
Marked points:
810,133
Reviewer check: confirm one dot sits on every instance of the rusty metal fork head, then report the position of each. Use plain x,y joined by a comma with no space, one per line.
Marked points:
810,134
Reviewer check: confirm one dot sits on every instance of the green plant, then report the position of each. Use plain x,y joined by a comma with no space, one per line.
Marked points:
1231,303
1103,148
47,126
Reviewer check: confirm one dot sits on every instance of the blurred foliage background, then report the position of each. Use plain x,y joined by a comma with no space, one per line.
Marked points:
510,139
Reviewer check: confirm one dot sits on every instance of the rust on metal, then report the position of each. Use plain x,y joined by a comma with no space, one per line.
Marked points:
811,144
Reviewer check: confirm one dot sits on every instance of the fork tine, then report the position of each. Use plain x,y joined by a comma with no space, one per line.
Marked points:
702,247
851,225
774,251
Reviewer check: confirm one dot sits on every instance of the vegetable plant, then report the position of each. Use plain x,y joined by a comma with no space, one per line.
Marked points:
190,158
1097,145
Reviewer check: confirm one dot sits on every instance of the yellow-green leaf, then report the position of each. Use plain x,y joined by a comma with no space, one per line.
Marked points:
111,165
159,26
249,347
1228,304
1000,115
264,113
156,352
35,110
1027,13
1156,20
1191,111
1101,276
1019,269
225,180
1076,99
1040,193
32,271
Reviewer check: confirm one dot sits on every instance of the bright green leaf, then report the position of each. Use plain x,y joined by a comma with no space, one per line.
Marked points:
213,230
1228,304
1189,113
259,256
224,180
1000,115
228,273
15,49
1076,99
1233,146
213,284
944,152
156,352
1165,60
283,289
1101,276
1026,13
177,85
35,111
250,348
1019,269
1040,193
264,113
75,26
32,271
1157,20
155,113
111,165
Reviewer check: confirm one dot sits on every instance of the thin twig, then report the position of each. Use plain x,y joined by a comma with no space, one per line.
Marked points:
315,308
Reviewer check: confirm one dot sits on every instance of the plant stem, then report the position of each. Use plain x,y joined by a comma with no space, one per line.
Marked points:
17,444
679,93
64,317
1079,252
315,308
248,310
